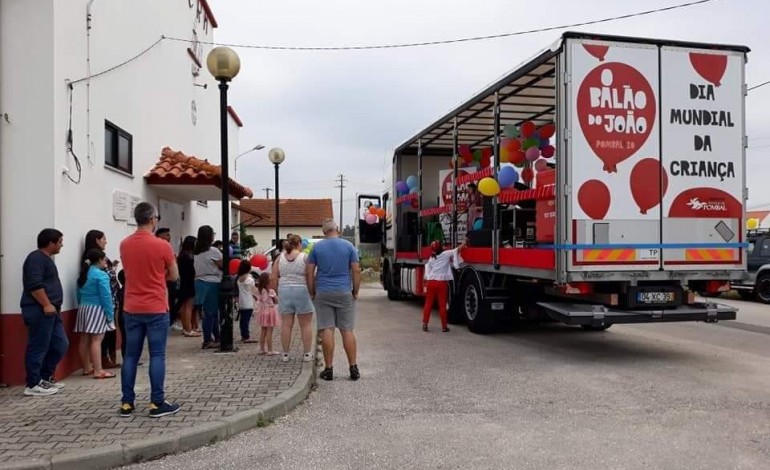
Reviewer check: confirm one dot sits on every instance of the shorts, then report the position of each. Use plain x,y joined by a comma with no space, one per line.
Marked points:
294,300
335,309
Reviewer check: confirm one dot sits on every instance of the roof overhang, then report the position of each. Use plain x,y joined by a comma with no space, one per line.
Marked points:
179,177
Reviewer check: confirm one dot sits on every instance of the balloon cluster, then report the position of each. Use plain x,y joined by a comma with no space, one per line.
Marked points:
258,261
374,215
527,143
410,186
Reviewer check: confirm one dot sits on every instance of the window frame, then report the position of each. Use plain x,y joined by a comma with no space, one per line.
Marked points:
117,133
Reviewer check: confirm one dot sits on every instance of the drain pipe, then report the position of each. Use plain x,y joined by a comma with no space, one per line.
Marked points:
88,80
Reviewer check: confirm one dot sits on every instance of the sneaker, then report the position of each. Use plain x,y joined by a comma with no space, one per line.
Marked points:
126,410
52,384
177,326
424,327
40,390
163,409
354,373
285,357
307,357
445,329
327,373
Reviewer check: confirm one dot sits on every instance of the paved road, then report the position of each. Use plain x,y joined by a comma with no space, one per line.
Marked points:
690,396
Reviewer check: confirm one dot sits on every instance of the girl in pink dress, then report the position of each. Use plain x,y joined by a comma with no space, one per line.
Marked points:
267,314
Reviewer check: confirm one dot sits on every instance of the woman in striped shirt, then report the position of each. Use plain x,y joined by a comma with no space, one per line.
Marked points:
96,314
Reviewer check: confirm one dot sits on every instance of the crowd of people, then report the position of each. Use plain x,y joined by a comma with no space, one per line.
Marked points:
157,291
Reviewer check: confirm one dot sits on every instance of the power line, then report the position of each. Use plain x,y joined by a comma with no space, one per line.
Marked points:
267,192
758,86
125,62
454,41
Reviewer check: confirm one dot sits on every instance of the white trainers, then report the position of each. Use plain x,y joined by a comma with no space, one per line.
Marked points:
52,384
40,390
307,357
177,326
285,357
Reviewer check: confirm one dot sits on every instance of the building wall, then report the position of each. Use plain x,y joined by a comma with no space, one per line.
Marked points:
264,235
150,97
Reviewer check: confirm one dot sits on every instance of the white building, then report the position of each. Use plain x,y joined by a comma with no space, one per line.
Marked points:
100,71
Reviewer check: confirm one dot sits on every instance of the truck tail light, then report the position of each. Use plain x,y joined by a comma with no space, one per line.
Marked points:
579,288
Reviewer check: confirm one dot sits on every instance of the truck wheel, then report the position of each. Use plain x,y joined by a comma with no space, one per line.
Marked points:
455,314
596,328
473,306
393,292
762,288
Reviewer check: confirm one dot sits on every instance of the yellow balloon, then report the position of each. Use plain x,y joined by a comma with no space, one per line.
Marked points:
489,187
752,224
505,155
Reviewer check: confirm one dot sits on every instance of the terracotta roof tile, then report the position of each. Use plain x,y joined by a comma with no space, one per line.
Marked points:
293,212
177,168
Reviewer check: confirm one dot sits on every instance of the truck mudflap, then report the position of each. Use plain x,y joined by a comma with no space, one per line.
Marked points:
598,315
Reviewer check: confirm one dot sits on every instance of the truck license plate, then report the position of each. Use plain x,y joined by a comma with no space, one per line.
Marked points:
655,297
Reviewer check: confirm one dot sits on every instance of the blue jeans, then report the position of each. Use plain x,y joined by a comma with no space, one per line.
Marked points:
245,314
207,296
154,327
46,343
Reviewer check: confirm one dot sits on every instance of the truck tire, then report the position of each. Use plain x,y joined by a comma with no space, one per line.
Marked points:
394,293
596,328
475,310
455,314
762,288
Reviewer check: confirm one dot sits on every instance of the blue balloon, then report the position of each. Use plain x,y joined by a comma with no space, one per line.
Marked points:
535,135
412,181
413,190
402,187
305,243
478,224
544,142
507,177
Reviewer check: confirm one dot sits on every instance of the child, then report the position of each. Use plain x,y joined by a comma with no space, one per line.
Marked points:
96,314
268,315
247,294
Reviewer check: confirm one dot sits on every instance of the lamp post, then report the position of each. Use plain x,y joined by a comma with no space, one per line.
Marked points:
253,149
223,64
277,156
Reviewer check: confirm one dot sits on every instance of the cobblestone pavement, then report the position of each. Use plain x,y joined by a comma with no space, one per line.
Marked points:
84,415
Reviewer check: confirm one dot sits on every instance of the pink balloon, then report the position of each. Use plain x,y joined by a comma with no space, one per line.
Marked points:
541,165
371,219
532,153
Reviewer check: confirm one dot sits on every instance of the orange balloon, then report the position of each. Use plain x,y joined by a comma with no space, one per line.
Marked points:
381,213
372,210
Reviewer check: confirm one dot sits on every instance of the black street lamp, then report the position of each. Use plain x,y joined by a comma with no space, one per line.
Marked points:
277,156
223,63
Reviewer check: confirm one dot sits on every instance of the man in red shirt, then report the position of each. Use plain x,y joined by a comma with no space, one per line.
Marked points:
148,262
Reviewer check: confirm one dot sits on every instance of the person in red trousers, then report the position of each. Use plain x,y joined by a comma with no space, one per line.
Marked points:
438,273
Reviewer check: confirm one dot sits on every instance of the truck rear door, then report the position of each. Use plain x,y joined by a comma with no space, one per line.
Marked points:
654,160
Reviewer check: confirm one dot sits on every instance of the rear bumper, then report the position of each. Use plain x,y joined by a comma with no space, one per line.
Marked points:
597,315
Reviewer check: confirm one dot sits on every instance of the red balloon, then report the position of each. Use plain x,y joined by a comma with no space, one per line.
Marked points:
464,150
527,129
527,175
259,261
594,198
548,151
486,161
517,157
597,50
415,204
234,265
709,66
511,145
649,183
547,131
613,132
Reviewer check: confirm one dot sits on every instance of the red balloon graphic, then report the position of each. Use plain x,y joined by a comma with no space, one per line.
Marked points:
547,131
706,203
616,108
709,66
527,175
596,50
527,128
649,183
594,198
234,265
259,261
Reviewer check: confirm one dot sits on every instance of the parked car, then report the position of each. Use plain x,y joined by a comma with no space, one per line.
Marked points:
756,284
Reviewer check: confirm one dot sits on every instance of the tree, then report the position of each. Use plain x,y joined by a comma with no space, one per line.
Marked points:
349,232
247,241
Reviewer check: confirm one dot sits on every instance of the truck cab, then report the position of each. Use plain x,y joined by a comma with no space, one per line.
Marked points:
756,284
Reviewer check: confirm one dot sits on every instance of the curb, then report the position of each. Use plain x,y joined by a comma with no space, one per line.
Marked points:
117,455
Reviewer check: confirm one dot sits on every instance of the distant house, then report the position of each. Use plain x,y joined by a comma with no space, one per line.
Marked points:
761,213
302,217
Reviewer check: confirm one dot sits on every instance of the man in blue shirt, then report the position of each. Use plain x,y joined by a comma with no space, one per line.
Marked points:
41,302
333,279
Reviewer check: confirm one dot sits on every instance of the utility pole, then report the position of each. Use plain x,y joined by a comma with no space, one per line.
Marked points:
267,192
341,185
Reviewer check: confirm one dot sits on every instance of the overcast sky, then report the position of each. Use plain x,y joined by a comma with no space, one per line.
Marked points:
343,112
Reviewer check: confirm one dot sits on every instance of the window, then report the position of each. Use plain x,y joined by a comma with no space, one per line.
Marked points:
118,148
765,248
